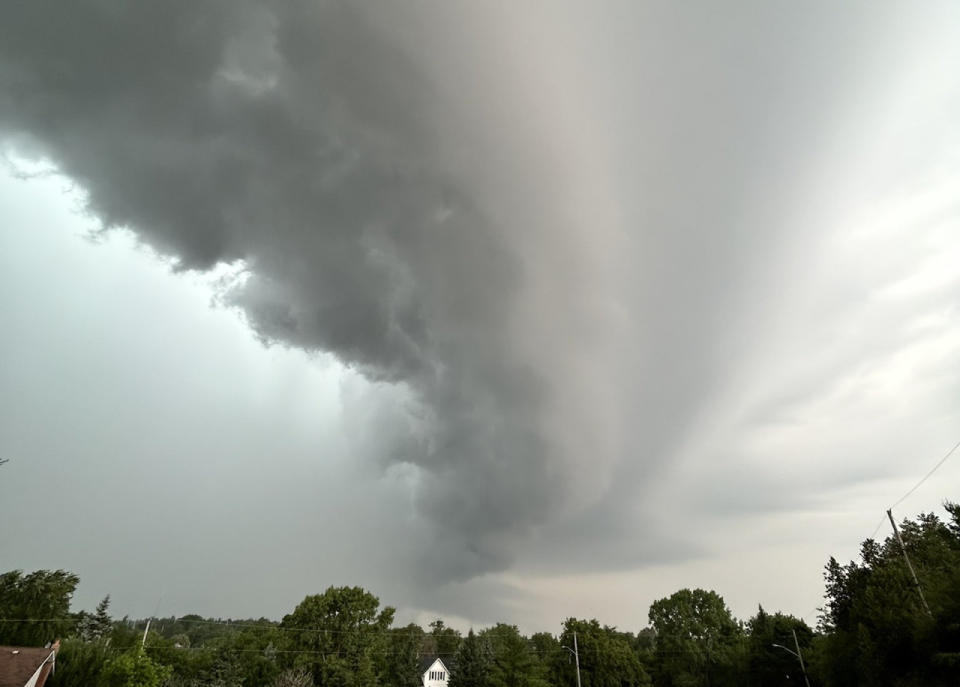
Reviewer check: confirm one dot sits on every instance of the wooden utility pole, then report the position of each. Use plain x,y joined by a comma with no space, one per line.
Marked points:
913,573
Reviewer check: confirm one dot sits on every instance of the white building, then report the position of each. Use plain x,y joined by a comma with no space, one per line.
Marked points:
433,672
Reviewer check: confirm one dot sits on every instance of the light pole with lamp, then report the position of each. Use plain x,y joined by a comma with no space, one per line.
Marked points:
795,653
576,656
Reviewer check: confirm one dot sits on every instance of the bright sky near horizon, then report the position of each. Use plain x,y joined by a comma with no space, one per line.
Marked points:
505,314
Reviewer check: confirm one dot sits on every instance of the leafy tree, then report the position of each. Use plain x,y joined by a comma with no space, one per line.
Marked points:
877,631
401,666
134,669
698,641
294,677
549,655
225,672
444,640
126,634
606,657
770,666
471,664
248,650
343,629
80,664
513,662
38,604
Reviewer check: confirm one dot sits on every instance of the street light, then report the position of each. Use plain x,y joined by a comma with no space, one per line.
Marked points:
789,651
576,656
794,653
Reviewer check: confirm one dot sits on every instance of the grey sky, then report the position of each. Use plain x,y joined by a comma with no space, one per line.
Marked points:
565,306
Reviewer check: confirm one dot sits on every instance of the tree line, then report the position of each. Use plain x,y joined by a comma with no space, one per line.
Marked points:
874,630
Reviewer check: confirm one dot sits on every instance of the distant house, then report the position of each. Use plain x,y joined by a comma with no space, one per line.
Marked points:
26,666
433,672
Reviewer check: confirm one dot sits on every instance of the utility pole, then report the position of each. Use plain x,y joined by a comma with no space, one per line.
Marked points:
913,573
145,631
803,668
576,656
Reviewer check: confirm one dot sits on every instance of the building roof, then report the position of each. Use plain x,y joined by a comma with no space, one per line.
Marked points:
19,663
425,663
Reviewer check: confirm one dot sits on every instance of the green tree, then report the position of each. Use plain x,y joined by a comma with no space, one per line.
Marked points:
698,641
36,606
471,664
770,666
94,627
549,655
876,629
343,630
294,678
134,669
513,663
80,664
442,641
401,666
606,657
246,656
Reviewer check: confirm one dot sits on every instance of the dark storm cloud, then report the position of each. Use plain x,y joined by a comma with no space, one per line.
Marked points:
562,234
299,139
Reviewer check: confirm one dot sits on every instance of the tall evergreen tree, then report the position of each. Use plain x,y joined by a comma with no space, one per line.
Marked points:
769,665
876,627
513,663
446,640
94,627
400,659
471,665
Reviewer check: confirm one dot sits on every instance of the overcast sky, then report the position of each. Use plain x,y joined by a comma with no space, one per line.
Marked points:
504,313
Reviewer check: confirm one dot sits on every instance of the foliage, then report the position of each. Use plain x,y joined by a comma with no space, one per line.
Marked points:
339,632
698,641
400,666
294,677
471,664
549,655
876,628
94,627
134,669
36,607
873,631
444,640
768,663
513,663
80,663
606,657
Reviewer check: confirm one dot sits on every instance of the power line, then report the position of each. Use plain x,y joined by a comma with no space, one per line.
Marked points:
877,528
914,488
927,476
394,633
155,647
265,625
